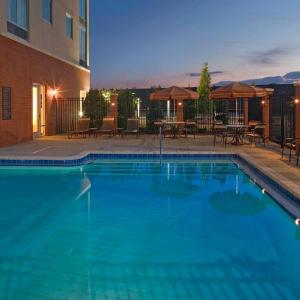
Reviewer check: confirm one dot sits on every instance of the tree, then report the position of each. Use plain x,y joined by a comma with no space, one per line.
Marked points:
95,107
126,106
203,104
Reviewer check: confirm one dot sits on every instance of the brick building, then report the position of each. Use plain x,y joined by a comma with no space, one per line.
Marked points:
44,55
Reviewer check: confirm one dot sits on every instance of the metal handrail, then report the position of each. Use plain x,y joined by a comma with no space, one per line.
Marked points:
160,145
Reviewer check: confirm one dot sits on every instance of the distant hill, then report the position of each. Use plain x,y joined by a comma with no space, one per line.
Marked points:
288,78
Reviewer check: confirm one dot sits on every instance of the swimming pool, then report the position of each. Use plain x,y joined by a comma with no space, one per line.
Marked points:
131,229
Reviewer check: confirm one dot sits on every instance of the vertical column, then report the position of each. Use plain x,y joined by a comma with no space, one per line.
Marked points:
246,111
266,115
114,108
297,111
179,114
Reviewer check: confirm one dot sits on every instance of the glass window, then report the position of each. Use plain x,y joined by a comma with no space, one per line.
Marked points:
69,26
82,9
12,11
82,44
47,10
18,13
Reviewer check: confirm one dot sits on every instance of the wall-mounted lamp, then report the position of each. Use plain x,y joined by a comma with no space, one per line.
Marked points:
80,114
53,93
263,102
180,103
297,101
113,104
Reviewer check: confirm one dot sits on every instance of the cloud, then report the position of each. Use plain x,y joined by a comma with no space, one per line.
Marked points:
216,72
211,73
193,74
272,56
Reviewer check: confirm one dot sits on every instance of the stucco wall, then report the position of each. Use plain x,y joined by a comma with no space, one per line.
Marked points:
50,38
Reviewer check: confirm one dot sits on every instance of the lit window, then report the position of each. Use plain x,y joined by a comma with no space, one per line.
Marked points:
47,10
18,13
69,26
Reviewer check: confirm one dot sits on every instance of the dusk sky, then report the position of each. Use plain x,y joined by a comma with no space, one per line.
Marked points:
143,43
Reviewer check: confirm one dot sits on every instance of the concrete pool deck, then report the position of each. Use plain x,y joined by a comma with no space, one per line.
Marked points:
268,159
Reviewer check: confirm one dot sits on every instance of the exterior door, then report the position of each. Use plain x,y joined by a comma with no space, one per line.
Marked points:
38,111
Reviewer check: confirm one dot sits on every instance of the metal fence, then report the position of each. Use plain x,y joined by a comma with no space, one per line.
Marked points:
67,114
282,113
282,121
229,112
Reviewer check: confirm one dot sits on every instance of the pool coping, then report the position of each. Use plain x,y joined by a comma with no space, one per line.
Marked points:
278,187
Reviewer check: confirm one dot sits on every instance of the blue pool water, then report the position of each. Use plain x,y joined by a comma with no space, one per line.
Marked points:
138,230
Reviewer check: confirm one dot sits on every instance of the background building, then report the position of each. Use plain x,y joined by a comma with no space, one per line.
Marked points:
44,56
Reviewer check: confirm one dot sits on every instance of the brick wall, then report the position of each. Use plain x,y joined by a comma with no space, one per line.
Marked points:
20,68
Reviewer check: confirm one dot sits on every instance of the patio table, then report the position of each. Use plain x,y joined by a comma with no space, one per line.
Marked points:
238,133
175,127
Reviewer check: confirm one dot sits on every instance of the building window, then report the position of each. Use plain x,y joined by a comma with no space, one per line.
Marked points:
69,26
83,46
18,17
47,10
6,103
82,9
83,32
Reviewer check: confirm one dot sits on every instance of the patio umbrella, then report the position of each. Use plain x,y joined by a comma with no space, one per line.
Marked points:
238,90
174,93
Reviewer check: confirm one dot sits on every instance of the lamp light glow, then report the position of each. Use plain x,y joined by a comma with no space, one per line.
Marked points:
263,102
80,114
53,92
296,101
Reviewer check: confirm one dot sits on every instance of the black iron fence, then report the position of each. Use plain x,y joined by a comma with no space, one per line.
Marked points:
282,113
229,112
67,114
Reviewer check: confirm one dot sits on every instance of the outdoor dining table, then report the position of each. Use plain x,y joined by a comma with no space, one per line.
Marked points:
238,131
175,127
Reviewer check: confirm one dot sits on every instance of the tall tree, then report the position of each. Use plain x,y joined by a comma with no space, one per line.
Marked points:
203,105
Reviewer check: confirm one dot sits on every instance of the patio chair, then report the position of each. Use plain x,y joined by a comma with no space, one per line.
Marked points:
132,127
294,146
257,134
190,127
82,129
220,131
108,127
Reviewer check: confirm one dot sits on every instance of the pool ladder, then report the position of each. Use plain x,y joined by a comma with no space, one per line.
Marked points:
160,145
